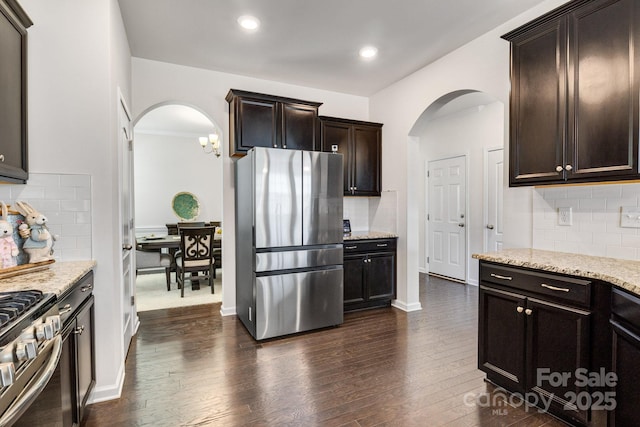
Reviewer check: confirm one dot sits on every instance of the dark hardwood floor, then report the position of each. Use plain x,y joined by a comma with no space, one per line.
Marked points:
191,367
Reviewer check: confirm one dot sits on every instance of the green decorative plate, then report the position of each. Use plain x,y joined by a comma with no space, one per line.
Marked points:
186,206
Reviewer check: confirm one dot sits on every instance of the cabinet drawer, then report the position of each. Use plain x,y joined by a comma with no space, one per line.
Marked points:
70,302
626,307
373,245
558,287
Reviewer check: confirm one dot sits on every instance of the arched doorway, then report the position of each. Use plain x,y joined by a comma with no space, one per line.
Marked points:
462,127
168,159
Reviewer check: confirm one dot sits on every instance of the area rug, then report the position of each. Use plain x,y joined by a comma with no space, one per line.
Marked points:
152,294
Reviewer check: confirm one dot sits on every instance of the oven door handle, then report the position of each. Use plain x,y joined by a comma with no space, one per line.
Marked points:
23,403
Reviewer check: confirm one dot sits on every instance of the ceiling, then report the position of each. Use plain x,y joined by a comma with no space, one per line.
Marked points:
311,43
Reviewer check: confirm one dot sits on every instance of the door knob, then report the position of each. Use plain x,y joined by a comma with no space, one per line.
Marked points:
127,247
461,224
490,226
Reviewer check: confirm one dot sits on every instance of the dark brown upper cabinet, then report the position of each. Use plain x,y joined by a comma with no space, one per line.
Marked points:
360,144
574,94
259,120
13,92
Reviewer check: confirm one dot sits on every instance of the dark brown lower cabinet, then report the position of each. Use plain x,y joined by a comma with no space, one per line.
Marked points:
625,325
369,273
535,338
77,363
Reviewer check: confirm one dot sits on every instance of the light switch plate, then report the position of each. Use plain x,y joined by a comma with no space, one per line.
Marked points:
630,217
565,216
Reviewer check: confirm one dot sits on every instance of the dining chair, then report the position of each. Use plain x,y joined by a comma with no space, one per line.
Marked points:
153,259
195,256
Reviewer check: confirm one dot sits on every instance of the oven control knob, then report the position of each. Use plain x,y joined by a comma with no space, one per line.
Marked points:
7,374
55,322
27,349
44,331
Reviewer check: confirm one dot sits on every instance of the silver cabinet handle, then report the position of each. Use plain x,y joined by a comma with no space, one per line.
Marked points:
568,167
382,245
67,308
520,309
490,226
497,276
1,157
350,247
559,168
528,312
554,288
86,288
79,330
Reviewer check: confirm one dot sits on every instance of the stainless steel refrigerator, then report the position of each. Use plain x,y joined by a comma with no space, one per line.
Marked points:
288,241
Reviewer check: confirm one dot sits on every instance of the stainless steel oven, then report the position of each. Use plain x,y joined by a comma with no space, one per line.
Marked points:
30,351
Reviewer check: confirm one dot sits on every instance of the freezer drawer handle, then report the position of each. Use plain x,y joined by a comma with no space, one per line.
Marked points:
497,276
554,288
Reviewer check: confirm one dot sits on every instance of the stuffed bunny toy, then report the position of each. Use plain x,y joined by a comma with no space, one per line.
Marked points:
39,242
8,248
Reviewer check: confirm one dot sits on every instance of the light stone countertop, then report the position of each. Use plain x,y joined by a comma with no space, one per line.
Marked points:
619,272
56,279
362,235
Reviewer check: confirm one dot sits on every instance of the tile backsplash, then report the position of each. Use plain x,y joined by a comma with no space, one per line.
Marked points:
372,213
596,214
66,202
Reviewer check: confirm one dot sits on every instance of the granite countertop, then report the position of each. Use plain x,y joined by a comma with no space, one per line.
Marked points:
56,279
619,272
362,235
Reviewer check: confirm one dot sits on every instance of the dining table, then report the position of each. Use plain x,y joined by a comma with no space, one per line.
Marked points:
170,242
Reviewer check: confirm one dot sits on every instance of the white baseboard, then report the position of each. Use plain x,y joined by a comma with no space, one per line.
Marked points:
227,311
406,307
108,392
423,270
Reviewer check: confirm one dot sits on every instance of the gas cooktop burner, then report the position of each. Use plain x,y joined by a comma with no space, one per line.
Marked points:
14,304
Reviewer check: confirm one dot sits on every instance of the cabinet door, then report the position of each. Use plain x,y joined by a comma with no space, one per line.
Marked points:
256,123
13,93
354,273
338,134
558,342
85,357
299,123
381,273
68,377
501,337
626,353
366,152
538,99
603,89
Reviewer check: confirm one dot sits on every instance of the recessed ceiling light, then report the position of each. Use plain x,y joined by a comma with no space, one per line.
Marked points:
368,52
249,23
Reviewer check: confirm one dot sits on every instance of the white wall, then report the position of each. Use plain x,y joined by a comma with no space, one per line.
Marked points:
468,132
481,65
166,165
78,57
595,228
157,82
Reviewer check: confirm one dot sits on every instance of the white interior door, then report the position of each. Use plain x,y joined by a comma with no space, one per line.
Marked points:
125,136
447,217
494,169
